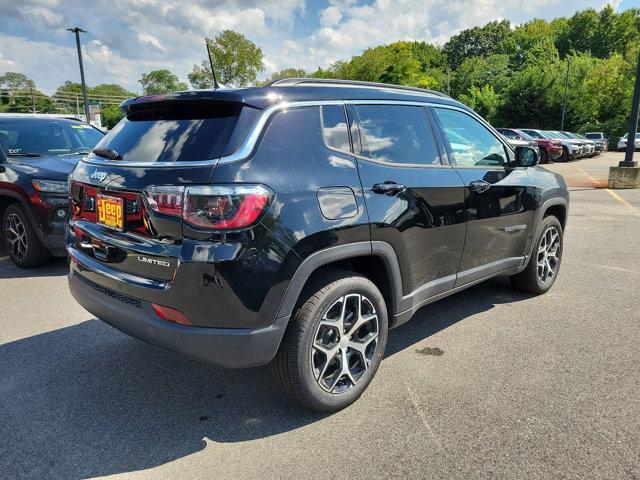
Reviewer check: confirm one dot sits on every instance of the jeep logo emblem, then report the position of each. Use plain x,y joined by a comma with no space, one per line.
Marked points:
98,175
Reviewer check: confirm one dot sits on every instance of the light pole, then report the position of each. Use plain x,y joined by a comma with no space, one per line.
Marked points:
77,31
564,102
633,123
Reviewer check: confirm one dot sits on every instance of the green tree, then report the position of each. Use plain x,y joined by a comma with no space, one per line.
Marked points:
161,81
14,81
533,97
18,94
404,63
110,115
111,90
476,42
236,59
493,70
287,73
485,101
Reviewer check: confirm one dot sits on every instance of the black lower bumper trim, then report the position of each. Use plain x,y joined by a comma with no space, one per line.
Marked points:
225,347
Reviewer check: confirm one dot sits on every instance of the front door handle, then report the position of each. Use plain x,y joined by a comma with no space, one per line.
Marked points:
389,188
479,186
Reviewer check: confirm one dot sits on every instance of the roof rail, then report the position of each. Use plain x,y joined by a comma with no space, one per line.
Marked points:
292,82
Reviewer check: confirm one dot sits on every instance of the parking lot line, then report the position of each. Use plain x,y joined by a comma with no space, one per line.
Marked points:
611,192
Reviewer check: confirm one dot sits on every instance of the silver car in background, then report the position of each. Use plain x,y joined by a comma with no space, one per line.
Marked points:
622,143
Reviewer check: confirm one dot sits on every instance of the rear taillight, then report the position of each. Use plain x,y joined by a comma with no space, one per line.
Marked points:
231,206
166,199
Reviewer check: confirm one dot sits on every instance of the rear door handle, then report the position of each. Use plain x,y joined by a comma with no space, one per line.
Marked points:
479,186
389,188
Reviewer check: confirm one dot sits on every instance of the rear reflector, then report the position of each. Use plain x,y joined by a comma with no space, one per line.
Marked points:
171,315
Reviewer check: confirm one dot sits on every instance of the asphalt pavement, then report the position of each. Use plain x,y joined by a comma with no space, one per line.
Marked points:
488,383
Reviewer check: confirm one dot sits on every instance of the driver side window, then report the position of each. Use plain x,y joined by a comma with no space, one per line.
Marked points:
471,143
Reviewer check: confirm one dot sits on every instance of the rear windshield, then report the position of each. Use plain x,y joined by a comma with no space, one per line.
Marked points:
180,131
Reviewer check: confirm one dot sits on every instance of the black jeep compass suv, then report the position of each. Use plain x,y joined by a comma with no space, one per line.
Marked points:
295,224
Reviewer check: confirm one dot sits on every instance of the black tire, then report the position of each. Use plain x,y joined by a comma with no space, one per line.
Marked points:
564,157
544,158
530,279
298,359
26,251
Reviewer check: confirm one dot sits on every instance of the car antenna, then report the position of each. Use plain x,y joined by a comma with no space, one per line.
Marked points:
213,72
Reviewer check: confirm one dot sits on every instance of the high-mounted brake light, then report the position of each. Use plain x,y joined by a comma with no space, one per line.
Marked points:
225,207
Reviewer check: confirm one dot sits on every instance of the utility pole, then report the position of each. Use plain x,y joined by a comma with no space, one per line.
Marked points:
77,31
633,123
449,81
564,102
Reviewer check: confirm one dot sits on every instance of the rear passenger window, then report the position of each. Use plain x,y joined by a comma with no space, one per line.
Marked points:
334,127
397,134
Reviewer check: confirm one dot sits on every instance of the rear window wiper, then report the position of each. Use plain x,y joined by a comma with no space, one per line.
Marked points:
107,153
23,154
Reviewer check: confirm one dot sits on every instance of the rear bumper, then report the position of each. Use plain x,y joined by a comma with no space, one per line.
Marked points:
225,347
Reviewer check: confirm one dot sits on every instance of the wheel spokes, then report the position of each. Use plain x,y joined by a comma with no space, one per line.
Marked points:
16,235
548,254
344,343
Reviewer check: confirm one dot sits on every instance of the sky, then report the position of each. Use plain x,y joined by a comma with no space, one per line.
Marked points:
126,38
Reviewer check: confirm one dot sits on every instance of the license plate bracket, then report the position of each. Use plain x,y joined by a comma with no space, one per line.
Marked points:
110,211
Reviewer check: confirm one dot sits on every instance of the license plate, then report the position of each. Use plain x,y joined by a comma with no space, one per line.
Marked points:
110,211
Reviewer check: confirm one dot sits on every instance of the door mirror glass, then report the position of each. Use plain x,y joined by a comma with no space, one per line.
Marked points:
526,157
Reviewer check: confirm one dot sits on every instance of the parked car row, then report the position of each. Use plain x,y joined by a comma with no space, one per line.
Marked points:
558,146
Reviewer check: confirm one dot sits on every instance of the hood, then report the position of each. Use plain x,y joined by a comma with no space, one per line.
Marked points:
53,167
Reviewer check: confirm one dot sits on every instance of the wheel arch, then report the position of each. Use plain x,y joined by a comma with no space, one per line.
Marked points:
375,260
8,197
557,206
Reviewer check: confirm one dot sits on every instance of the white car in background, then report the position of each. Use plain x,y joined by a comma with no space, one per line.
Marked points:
622,143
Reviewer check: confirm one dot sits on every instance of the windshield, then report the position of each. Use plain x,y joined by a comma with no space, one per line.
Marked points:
44,137
534,134
558,135
596,136
571,135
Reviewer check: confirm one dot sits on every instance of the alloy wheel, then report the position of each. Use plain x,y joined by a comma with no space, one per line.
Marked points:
344,343
16,235
548,254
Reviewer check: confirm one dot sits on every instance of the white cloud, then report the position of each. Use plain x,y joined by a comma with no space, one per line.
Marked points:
41,16
330,16
148,39
6,64
97,52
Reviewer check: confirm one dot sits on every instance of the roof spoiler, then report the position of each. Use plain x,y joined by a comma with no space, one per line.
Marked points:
216,95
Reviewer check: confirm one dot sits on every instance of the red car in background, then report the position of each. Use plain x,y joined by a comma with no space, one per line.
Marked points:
550,149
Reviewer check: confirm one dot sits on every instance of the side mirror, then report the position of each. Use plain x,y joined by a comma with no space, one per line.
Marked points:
526,157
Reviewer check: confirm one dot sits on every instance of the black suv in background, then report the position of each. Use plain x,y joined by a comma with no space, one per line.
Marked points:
294,224
37,154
